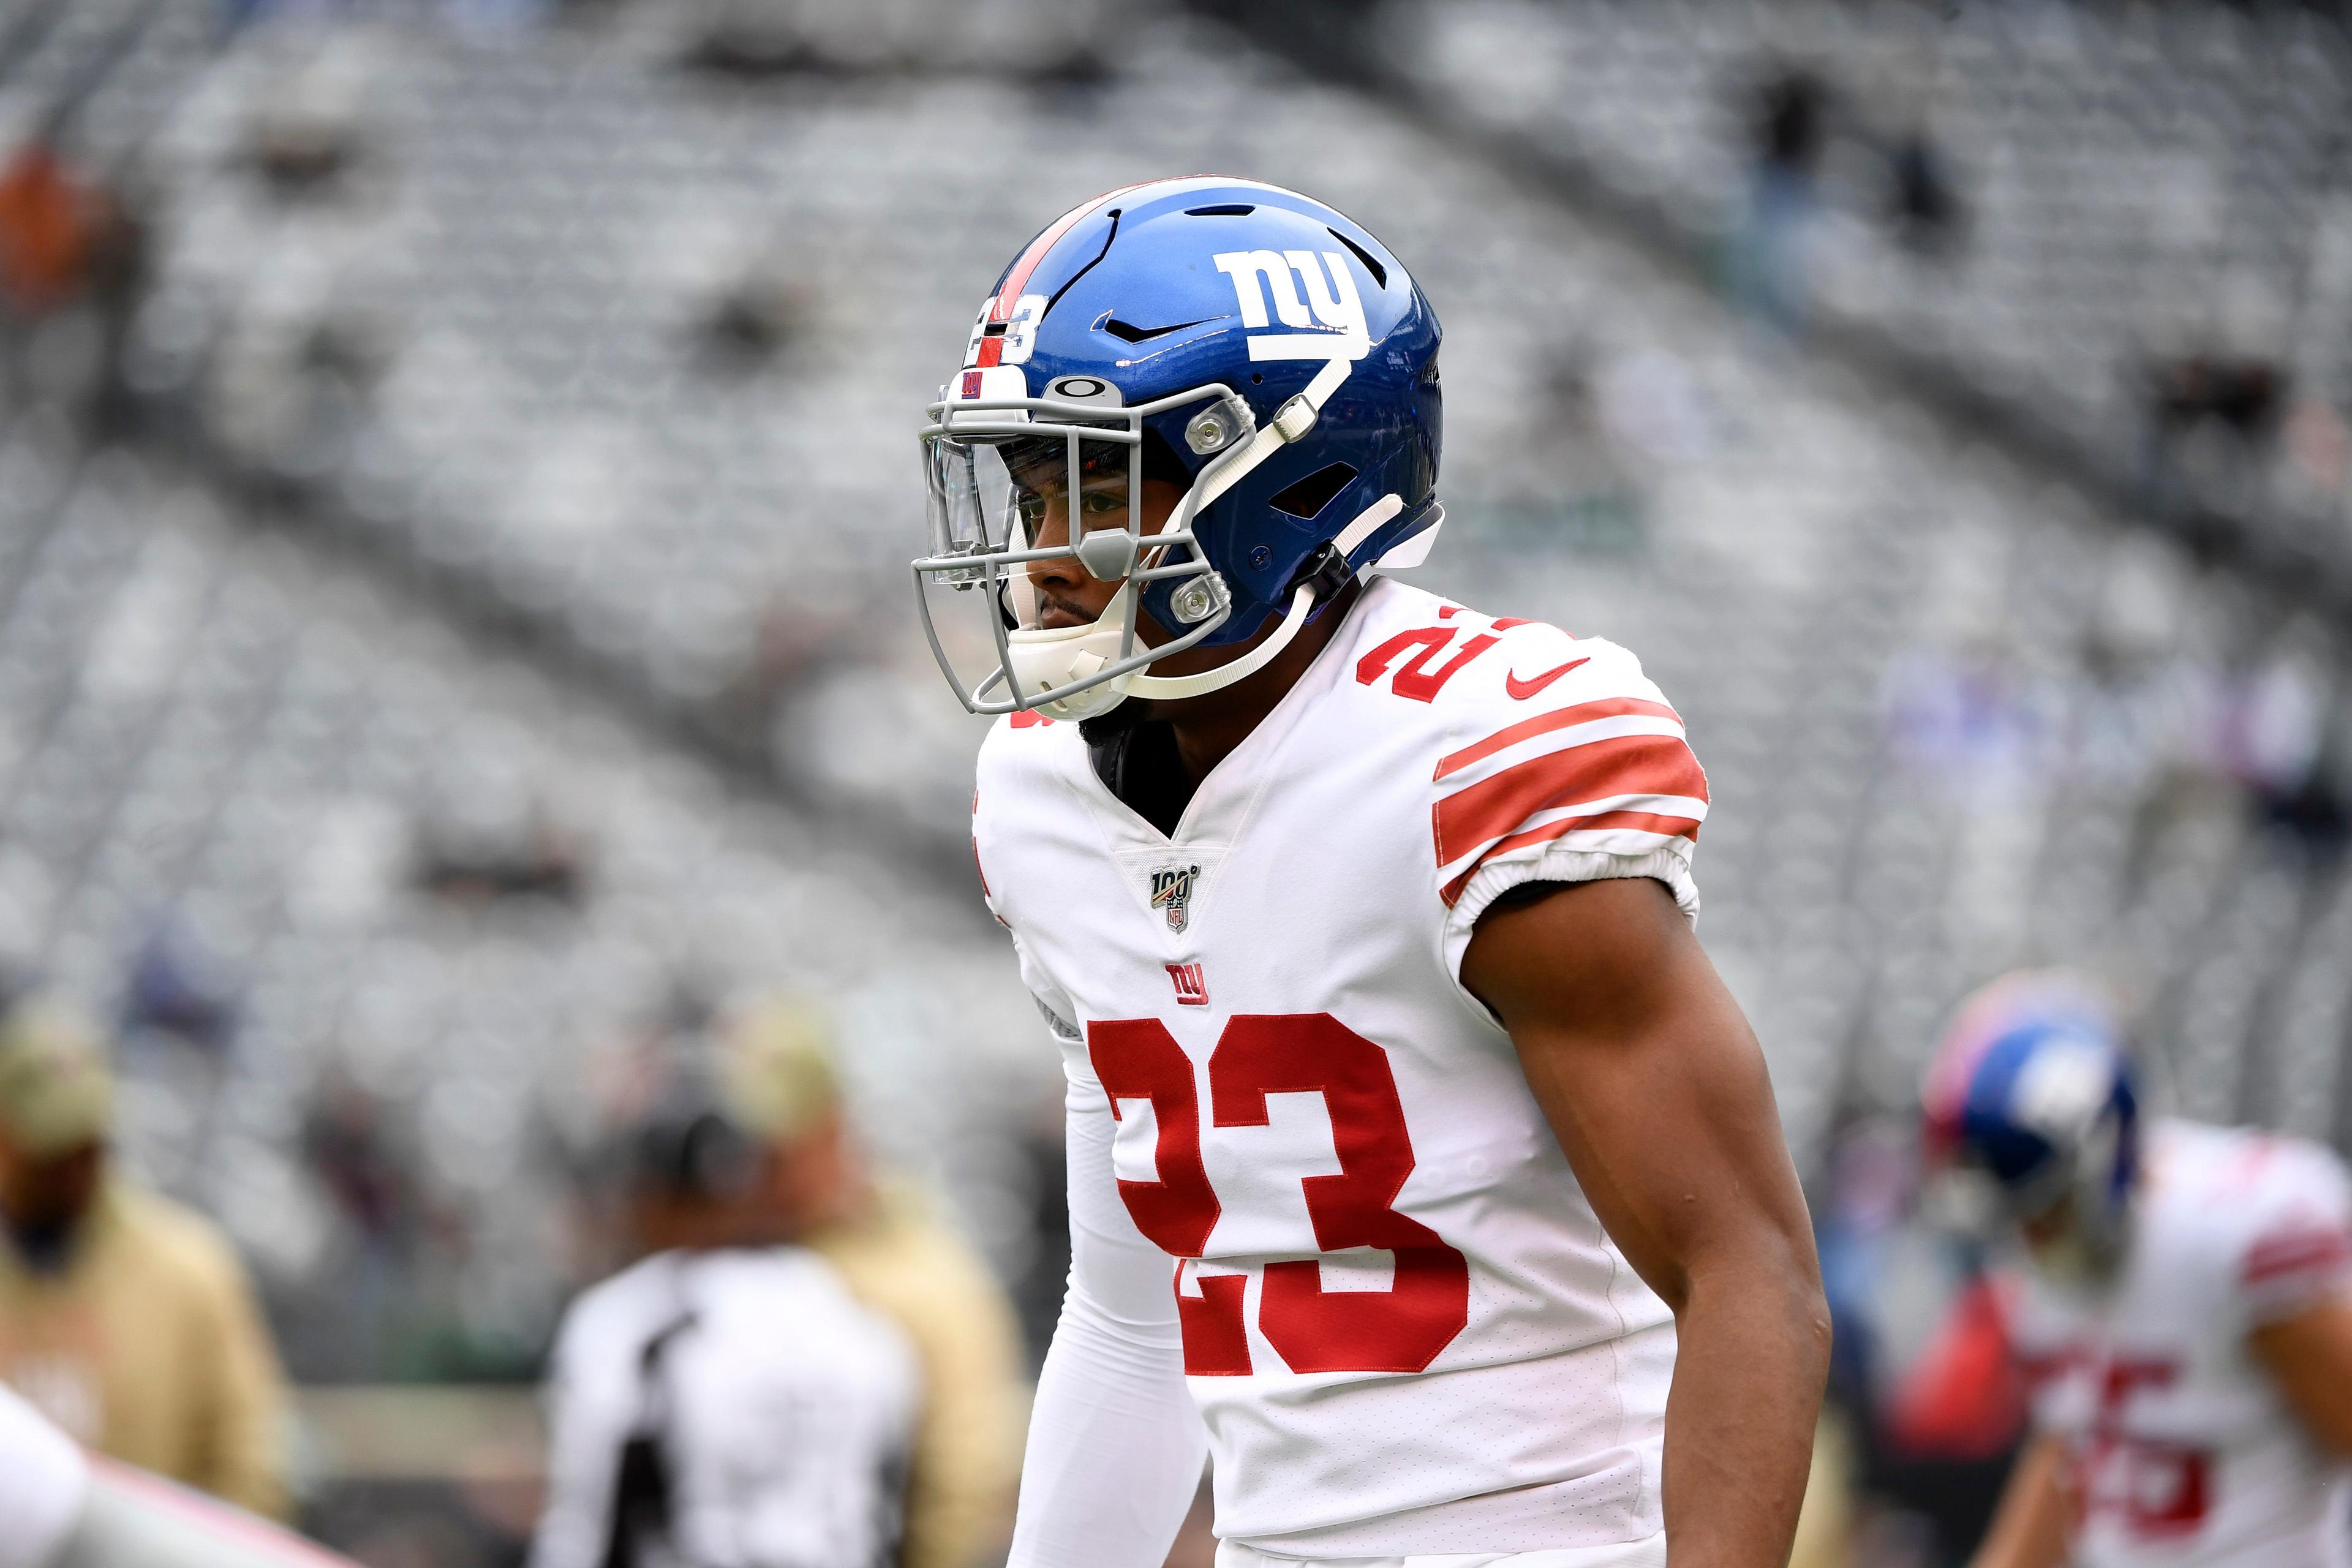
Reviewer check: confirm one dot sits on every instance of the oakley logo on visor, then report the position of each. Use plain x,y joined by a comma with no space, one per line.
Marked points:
1332,304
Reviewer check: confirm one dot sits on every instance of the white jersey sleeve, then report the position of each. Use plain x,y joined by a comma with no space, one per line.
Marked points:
1564,764
43,1480
2296,1249
1116,1445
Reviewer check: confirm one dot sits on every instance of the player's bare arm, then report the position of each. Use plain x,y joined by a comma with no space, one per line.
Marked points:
1652,1080
2029,1529
2309,1355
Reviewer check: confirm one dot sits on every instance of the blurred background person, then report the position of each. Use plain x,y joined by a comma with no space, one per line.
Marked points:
2183,1311
807,1369
898,1256
123,1316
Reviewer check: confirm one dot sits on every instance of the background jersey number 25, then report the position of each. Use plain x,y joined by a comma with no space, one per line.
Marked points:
1399,1330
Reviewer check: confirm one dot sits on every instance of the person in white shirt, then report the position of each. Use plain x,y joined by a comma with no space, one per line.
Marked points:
2182,1310
725,1402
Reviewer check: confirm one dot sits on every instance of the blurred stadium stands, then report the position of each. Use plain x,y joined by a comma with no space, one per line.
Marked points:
452,587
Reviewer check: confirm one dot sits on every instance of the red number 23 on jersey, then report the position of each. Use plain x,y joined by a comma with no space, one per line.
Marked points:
1400,1330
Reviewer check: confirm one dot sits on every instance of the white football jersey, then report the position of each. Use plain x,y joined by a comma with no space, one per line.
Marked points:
44,1480
1404,1327
2180,1450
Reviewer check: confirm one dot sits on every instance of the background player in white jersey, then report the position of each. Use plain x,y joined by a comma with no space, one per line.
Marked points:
1414,1141
2184,1316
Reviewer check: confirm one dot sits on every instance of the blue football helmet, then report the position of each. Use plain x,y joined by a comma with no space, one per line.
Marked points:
1241,343
2034,1088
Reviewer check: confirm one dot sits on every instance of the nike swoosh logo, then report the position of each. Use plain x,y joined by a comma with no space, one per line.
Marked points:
1523,689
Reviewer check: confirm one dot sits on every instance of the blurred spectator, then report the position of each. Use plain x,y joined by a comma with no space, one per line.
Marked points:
2213,418
895,1388
1768,275
123,1317
1924,204
177,996
49,223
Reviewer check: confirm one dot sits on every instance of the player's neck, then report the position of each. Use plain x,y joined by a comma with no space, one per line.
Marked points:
1209,726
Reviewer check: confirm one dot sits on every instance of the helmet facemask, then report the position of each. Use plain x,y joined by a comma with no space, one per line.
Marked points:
1008,478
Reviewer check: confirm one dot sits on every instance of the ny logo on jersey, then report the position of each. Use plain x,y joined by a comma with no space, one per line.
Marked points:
1191,986
1171,889
1332,304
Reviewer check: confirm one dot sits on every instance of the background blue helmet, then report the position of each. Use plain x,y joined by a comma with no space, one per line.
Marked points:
1234,333
2033,1086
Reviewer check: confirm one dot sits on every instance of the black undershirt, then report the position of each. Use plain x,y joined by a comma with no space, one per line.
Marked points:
1137,759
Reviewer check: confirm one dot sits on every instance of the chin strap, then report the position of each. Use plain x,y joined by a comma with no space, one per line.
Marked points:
1332,575
1302,606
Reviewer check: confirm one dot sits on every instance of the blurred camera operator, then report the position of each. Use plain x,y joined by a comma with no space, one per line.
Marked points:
806,1372
125,1318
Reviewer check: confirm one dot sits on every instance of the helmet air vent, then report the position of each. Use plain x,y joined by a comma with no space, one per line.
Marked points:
1231,209
1380,273
1128,331
1309,496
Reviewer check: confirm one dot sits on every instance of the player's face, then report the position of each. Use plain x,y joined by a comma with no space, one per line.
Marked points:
1068,593
2065,1247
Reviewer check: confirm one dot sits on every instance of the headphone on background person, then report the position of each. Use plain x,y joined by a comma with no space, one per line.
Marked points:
692,1144
763,1074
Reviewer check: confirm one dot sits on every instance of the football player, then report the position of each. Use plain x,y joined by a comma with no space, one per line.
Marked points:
2184,1313
1414,1141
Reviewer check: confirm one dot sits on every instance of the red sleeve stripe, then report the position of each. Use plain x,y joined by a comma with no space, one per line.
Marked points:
1598,771
1559,719
2300,1252
1606,827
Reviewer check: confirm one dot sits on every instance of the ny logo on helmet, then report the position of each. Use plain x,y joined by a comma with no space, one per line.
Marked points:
1334,304
1171,889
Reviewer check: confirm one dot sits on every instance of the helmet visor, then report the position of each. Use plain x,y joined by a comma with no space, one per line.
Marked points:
997,494
1018,508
